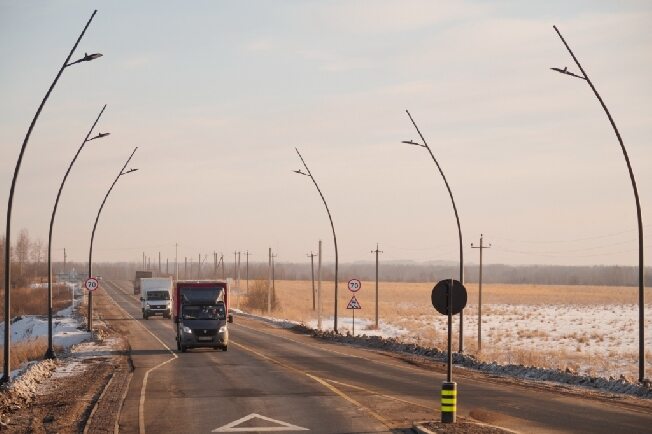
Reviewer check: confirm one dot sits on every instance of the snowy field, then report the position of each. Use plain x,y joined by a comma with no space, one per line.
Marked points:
65,329
587,330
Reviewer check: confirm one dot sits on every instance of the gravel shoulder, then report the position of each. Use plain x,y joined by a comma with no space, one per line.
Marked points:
80,391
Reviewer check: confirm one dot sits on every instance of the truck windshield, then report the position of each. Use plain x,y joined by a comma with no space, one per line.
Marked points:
158,295
204,312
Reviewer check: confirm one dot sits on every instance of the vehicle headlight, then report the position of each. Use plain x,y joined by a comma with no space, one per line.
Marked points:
186,329
222,329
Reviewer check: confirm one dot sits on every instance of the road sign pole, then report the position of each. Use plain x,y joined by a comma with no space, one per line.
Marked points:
353,310
449,372
319,306
448,390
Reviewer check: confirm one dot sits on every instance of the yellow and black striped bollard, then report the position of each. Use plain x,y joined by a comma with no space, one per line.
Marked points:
448,402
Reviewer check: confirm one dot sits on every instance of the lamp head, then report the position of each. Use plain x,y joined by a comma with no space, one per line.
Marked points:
412,142
87,58
300,172
567,72
99,136
128,171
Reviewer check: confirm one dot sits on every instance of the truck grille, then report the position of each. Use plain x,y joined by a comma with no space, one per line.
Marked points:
204,332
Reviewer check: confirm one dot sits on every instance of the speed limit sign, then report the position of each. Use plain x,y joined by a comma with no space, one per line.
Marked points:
91,284
354,285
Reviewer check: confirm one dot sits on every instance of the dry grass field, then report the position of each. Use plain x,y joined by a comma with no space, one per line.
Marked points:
589,329
32,301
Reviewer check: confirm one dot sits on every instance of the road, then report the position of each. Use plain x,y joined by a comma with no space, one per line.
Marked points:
273,379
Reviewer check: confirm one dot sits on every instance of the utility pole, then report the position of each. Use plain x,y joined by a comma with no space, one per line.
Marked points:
176,260
273,277
247,270
65,257
319,287
222,261
481,247
312,273
269,283
167,266
144,262
376,252
199,267
238,270
159,263
215,264
235,264
185,268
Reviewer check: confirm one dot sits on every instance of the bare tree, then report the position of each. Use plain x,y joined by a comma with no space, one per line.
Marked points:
22,250
37,253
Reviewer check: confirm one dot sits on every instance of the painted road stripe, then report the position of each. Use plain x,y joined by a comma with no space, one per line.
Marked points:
280,425
318,380
141,405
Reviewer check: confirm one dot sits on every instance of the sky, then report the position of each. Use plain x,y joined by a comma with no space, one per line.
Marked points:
216,96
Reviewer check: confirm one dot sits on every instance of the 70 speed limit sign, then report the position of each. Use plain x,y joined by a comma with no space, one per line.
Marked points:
354,285
91,284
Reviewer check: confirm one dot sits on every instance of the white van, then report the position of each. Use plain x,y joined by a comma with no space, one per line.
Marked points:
155,295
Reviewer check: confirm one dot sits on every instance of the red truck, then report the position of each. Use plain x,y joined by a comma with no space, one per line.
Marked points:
200,311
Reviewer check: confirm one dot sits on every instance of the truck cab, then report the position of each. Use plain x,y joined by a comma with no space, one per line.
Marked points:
201,315
156,297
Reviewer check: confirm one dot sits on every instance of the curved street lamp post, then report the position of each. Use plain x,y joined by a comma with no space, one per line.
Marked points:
49,354
332,227
457,218
89,322
7,281
641,287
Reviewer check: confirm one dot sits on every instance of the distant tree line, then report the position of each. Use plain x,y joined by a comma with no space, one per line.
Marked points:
29,264
603,275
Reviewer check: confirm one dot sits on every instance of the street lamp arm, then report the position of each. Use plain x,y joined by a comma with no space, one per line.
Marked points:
7,280
641,268
330,218
50,352
90,253
450,193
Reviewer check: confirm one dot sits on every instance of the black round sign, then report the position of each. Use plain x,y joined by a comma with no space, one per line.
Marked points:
439,296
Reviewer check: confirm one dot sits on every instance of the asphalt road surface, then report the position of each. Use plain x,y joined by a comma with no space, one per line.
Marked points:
276,380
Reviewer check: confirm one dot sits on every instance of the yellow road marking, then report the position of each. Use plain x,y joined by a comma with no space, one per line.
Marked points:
352,386
141,404
317,379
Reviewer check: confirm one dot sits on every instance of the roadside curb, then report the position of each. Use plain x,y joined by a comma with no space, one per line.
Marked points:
419,428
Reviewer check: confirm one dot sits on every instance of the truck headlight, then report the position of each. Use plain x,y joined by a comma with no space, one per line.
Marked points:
222,329
186,329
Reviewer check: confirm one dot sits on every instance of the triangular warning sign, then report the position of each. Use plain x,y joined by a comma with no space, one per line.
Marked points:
278,425
353,304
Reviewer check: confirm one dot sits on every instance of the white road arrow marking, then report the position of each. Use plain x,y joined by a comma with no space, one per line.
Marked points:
280,425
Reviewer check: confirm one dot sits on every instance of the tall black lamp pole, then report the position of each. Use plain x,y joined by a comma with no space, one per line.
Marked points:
49,354
641,268
332,227
457,217
7,310
89,322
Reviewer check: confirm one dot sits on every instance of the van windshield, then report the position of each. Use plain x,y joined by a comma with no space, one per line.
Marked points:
204,312
158,295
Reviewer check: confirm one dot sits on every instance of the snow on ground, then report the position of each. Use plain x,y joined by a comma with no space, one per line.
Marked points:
593,339
587,341
363,326
65,329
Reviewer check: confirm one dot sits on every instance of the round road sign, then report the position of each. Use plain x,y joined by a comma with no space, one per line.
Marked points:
91,284
354,285
440,293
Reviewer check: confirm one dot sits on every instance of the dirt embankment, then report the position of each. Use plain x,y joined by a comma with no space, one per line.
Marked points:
81,391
